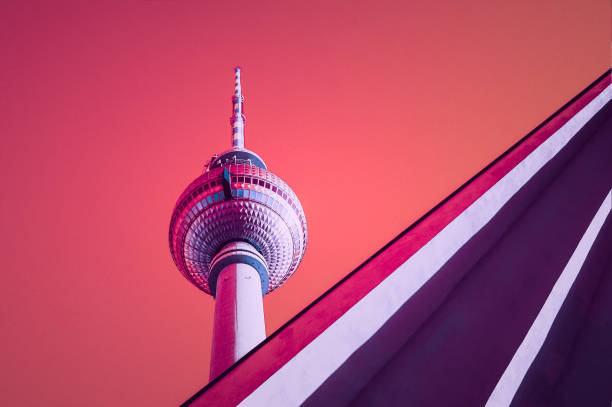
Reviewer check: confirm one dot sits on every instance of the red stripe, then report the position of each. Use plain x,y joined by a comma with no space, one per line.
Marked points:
245,377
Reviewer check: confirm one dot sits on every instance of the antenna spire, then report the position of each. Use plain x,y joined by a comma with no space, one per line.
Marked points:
237,120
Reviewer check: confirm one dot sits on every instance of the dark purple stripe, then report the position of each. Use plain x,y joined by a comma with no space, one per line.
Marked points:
450,343
587,378
574,366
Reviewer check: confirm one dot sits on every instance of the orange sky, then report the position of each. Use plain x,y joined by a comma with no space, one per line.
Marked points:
372,111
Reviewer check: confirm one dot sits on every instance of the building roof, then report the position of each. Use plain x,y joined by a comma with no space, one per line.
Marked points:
515,259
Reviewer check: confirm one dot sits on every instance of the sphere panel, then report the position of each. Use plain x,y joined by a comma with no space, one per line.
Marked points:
262,210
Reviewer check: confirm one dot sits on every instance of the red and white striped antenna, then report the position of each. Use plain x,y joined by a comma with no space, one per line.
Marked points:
237,120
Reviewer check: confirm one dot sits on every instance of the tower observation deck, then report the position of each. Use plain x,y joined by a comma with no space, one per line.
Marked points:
237,233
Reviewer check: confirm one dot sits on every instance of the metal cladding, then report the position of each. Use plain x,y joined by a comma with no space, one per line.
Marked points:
237,199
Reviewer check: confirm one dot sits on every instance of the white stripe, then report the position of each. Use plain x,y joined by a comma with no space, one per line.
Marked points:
513,376
305,372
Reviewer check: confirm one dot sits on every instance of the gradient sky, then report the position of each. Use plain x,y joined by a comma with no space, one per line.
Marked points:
373,111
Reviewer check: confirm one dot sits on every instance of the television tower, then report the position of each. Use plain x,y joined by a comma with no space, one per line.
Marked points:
237,233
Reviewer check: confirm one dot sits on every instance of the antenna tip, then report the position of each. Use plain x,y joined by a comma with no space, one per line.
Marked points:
237,69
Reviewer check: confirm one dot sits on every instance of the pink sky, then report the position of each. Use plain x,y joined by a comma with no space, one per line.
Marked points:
372,111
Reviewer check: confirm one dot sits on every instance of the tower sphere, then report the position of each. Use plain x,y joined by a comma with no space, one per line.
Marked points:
237,199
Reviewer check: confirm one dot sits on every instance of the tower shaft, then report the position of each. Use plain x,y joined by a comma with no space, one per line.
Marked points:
239,317
237,233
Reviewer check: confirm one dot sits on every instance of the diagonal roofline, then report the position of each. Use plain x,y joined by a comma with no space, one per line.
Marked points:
258,365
